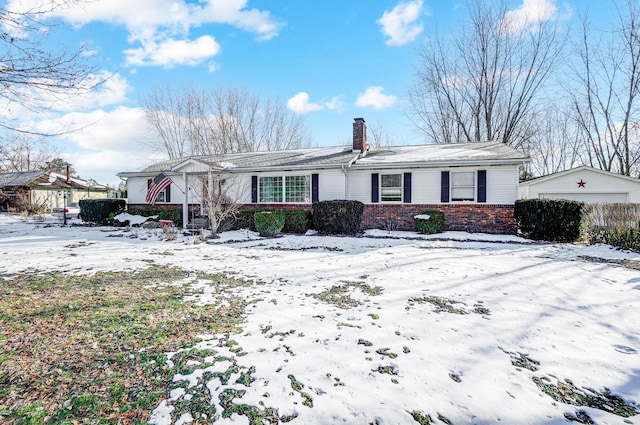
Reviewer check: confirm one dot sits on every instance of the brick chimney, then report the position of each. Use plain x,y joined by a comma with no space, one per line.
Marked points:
359,135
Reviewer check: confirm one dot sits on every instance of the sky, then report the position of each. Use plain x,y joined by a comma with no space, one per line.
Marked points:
330,61
554,312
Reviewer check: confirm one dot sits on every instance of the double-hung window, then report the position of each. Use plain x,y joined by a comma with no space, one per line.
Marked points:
391,188
289,189
463,186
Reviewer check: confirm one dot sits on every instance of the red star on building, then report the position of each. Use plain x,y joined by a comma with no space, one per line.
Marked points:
581,183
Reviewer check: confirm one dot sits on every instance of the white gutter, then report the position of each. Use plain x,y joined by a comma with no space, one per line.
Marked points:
344,171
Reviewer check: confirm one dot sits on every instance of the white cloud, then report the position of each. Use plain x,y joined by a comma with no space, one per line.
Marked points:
300,104
104,143
373,97
169,53
530,14
123,128
111,91
399,26
161,25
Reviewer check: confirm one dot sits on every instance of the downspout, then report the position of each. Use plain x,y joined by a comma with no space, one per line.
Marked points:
185,202
345,172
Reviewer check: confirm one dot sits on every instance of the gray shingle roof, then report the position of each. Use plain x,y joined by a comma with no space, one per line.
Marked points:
20,178
335,157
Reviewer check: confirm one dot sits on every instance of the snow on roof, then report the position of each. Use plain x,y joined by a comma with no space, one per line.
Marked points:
339,156
490,151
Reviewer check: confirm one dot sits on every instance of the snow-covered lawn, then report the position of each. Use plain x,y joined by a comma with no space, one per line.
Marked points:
390,327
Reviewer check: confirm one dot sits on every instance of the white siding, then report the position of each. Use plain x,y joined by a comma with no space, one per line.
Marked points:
359,186
425,186
597,187
331,185
502,185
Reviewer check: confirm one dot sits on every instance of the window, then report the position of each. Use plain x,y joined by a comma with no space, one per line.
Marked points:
463,186
270,189
296,189
391,188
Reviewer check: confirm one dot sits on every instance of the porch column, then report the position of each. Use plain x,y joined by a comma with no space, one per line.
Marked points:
185,203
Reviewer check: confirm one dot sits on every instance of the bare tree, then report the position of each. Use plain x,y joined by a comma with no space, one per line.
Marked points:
224,120
555,144
219,197
483,85
33,71
25,152
606,100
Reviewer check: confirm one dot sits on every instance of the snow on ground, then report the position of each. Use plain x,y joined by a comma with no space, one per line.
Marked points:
398,351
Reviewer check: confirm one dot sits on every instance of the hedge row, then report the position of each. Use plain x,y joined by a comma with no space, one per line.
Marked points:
100,210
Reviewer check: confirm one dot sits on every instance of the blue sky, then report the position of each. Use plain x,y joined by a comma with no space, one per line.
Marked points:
330,60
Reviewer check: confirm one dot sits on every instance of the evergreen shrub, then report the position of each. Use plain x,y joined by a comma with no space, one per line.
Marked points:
431,225
296,221
99,210
337,217
555,220
244,220
269,223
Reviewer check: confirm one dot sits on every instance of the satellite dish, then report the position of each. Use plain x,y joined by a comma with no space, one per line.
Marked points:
52,178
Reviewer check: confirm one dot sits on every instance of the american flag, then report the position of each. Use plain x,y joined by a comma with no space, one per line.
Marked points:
158,184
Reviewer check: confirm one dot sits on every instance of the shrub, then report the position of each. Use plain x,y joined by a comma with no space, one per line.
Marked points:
337,217
244,220
99,210
269,223
556,220
429,222
296,221
614,224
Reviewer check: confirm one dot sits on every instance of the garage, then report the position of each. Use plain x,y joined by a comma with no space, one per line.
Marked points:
585,184
590,198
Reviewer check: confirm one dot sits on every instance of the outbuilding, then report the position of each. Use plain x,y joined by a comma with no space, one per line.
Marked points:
585,184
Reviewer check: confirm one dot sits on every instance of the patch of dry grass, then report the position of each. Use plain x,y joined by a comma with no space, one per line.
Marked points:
89,349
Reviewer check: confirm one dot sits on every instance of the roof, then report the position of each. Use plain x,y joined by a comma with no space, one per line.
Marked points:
46,179
449,154
316,157
552,176
25,178
337,157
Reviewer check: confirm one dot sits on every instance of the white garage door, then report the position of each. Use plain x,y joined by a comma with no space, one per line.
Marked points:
591,198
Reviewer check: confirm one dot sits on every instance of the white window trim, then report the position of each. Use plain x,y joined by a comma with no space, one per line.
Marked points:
401,188
284,188
475,187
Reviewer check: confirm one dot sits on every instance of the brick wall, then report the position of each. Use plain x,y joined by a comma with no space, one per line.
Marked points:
481,218
497,219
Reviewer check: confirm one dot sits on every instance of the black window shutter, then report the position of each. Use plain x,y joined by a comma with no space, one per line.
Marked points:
254,189
315,196
407,188
374,188
444,186
482,185
167,197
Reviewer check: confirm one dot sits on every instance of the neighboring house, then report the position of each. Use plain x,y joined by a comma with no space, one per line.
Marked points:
474,184
46,188
585,184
